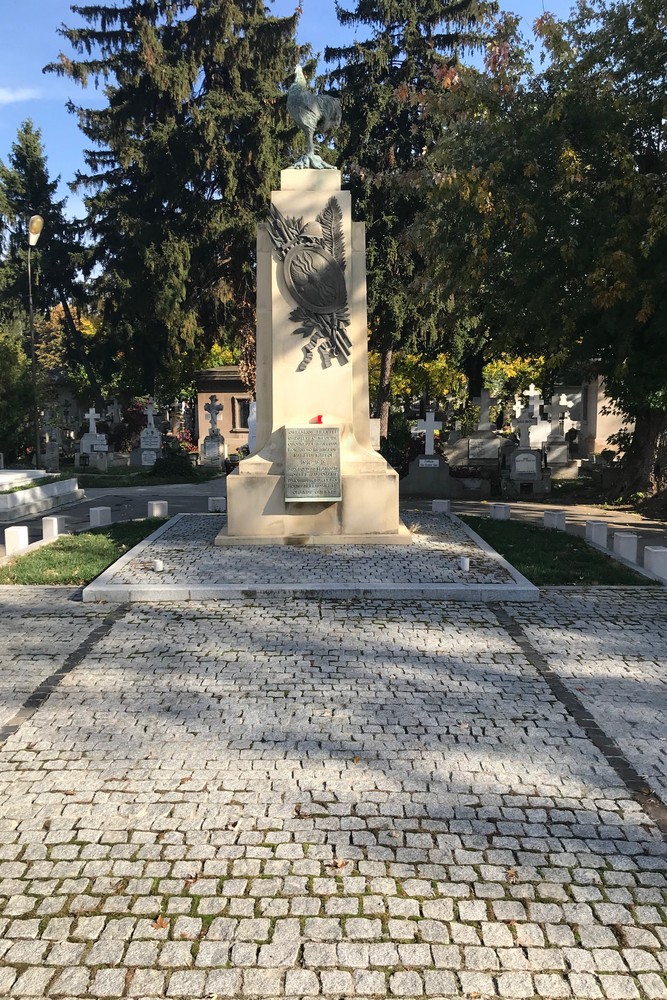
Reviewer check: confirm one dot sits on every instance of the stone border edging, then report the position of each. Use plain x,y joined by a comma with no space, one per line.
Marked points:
102,589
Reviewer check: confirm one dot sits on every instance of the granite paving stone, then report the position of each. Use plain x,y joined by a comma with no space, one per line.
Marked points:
292,798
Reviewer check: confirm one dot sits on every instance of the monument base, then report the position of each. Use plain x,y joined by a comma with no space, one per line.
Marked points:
402,537
367,513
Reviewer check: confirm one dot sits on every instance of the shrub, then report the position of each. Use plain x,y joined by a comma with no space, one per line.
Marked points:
175,464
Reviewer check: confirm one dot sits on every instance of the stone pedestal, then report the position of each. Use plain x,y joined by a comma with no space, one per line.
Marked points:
150,446
213,451
525,476
306,382
52,456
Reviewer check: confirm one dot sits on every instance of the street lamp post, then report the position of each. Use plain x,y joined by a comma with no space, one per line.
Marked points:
35,226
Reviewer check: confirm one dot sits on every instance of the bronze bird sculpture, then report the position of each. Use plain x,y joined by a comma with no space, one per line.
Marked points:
312,113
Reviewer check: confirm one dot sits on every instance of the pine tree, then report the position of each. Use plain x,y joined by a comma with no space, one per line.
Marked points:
413,46
26,189
182,161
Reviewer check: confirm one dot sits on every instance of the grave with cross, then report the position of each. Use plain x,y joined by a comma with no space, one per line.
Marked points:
485,401
150,439
430,425
524,474
92,443
213,445
523,424
559,411
534,399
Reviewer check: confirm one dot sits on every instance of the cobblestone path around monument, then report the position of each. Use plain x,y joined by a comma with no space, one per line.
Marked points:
331,799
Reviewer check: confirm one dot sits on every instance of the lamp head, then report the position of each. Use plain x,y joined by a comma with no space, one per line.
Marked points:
35,227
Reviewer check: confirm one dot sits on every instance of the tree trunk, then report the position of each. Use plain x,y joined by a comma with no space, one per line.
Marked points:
644,468
381,408
80,347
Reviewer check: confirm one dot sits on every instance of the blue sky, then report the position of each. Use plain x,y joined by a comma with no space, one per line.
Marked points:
28,30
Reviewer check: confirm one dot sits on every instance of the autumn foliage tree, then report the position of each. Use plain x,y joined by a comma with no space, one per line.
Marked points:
411,48
547,209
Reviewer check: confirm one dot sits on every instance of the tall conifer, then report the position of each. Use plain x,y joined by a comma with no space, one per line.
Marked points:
183,156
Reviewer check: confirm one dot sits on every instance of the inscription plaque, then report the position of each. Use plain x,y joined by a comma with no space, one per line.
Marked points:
312,464
483,448
429,463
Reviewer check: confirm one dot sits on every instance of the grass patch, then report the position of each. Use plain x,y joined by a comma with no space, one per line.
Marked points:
74,560
554,558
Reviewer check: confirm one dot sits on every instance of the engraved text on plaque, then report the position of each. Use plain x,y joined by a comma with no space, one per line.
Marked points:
312,464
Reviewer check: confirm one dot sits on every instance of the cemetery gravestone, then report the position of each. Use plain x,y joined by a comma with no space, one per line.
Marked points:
150,438
92,444
213,445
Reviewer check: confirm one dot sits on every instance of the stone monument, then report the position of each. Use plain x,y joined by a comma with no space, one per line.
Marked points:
213,445
523,473
93,445
314,476
150,438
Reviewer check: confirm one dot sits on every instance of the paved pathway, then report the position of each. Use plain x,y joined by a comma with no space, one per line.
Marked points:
355,798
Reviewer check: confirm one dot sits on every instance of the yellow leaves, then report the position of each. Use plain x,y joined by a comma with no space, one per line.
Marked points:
571,166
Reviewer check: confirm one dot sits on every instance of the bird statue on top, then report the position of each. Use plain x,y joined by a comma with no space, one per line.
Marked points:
312,113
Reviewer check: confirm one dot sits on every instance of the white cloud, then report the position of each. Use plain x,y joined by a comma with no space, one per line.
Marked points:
12,95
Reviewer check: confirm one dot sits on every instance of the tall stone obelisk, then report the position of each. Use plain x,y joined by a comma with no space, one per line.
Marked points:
314,477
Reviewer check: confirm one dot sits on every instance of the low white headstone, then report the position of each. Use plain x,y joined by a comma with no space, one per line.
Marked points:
100,516
625,545
597,532
16,539
441,506
500,511
52,527
655,560
554,519
158,508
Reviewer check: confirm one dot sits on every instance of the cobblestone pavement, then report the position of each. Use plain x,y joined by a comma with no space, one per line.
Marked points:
299,799
186,548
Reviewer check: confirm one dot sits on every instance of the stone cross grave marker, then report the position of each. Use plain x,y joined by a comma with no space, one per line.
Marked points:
213,408
430,426
524,423
91,417
518,407
485,401
559,411
150,412
535,400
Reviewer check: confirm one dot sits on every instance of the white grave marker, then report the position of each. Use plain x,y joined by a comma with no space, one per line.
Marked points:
430,426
